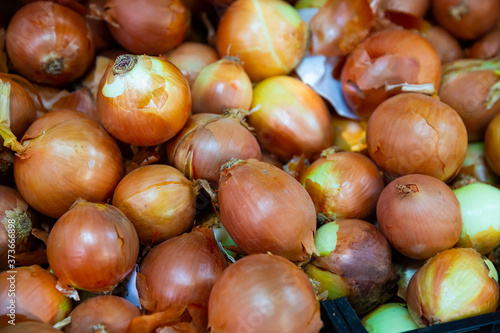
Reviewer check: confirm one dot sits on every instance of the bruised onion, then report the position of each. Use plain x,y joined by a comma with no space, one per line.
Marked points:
414,133
420,216
454,284
143,100
159,201
264,209
487,47
29,293
263,293
283,46
492,144
49,43
445,44
92,247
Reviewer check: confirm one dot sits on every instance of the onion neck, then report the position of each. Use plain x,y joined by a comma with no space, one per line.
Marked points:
406,189
23,224
458,11
99,329
9,139
124,64
331,151
239,116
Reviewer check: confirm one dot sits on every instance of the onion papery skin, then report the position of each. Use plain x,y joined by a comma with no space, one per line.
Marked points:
79,100
208,141
466,19
92,247
49,43
30,327
492,144
478,108
264,209
413,133
278,52
487,47
109,313
148,27
354,261
222,85
454,284
68,156
445,44
481,217
36,296
290,118
159,200
414,7
389,318
143,100
180,271
385,58
420,216
191,58
344,185
264,293
475,164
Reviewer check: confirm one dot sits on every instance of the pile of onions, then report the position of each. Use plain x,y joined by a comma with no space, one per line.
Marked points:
222,85
445,44
487,47
281,50
394,314
264,209
159,201
49,43
102,314
354,261
143,100
147,27
30,327
492,144
343,185
413,133
454,284
290,118
92,247
36,297
388,57
208,141
420,216
470,87
266,294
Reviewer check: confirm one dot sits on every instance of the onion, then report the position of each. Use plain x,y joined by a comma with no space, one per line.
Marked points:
389,318
148,27
387,57
487,47
208,141
143,100
419,215
290,118
475,164
414,7
263,293
49,43
354,261
414,133
445,44
480,205
158,200
264,209
454,284
343,185
349,134
191,58
466,19
36,298
102,313
285,37
30,327
100,32
492,144
92,247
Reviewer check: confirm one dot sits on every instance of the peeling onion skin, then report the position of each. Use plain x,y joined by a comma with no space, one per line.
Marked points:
454,284
413,133
420,216
49,43
445,44
487,47
492,145
266,294
264,209
92,247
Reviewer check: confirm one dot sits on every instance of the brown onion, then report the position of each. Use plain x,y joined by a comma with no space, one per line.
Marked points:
148,27
30,327
415,7
414,133
110,314
420,216
100,32
273,46
487,47
264,209
158,200
208,141
343,185
36,298
263,293
492,144
387,57
290,118
92,247
49,43
445,44
143,100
